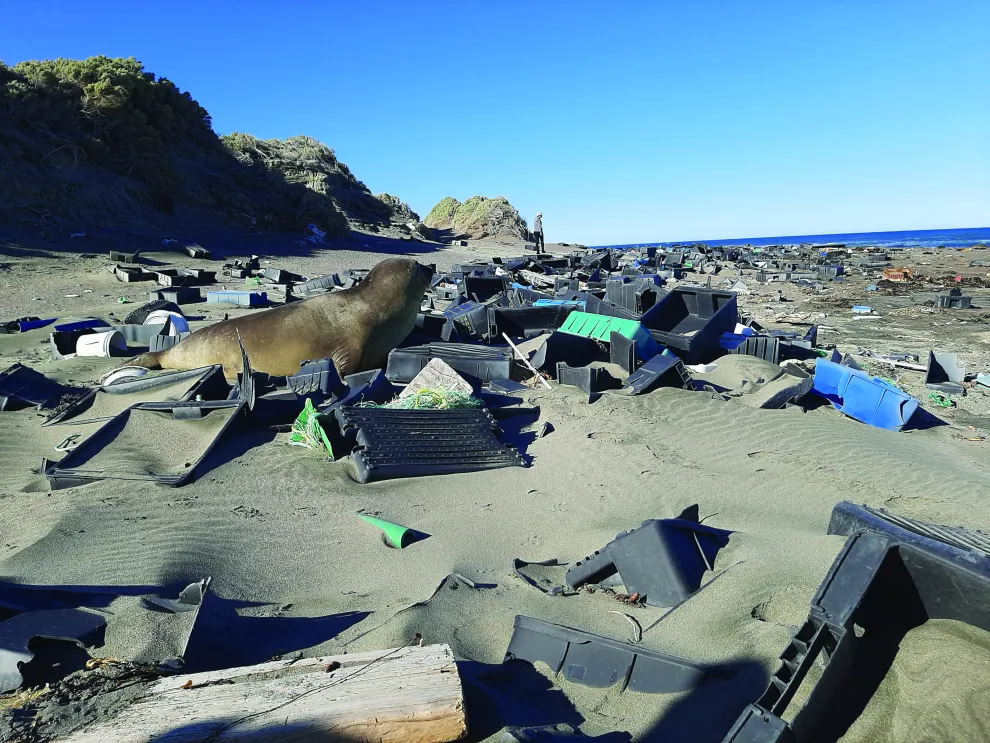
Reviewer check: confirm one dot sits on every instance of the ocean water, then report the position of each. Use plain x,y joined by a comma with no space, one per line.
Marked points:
959,238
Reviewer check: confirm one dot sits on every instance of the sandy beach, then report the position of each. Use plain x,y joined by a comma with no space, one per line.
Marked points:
275,527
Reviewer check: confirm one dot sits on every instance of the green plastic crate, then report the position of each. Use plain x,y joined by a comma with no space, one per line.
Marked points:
601,327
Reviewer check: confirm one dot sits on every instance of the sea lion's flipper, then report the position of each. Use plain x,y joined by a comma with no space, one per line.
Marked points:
150,360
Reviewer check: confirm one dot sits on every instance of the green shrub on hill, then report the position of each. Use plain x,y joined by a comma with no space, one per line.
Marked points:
102,112
442,215
101,142
478,217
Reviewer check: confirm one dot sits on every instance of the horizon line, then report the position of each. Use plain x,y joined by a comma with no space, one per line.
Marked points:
779,237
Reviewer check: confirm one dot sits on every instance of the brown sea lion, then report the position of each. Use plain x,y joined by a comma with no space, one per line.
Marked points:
355,327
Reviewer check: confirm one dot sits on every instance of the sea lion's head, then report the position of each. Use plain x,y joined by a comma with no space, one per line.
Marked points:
398,282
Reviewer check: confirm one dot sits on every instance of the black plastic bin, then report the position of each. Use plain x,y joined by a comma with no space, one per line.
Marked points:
525,322
690,321
477,363
483,288
637,295
892,575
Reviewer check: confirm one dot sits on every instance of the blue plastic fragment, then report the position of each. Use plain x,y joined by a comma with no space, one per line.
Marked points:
862,309
559,303
459,310
867,399
87,324
32,324
732,341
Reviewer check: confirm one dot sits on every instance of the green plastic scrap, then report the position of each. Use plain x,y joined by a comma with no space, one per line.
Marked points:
941,400
123,300
396,536
252,281
307,431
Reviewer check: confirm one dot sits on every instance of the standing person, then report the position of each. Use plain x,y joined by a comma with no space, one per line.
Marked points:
541,246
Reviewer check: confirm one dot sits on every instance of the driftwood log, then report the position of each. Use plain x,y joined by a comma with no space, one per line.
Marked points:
412,695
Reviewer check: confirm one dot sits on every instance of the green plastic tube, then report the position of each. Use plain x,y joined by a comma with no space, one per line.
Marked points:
394,535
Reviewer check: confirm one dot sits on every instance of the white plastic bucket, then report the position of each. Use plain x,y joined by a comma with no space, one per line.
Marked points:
101,344
179,323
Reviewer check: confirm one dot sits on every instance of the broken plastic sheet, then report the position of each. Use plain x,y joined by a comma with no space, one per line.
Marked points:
163,442
600,662
22,386
105,402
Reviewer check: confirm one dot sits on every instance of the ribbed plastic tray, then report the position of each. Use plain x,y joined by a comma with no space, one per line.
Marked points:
412,443
867,399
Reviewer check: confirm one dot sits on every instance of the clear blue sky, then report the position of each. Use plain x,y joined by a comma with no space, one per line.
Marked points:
621,121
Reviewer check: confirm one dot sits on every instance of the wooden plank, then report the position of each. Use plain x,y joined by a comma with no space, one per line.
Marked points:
408,695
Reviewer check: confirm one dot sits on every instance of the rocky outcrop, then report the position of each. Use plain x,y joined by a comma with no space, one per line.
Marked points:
478,217
305,161
100,142
399,209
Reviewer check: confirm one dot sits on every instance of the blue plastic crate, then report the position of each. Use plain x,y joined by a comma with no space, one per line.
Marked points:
860,396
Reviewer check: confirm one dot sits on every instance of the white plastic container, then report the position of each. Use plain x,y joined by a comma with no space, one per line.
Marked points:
122,374
101,344
179,323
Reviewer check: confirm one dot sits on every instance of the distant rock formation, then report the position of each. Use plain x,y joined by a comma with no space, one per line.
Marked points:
478,217
308,162
399,209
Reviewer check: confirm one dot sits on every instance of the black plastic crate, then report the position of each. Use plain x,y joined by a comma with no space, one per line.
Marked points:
689,321
479,363
637,296
761,346
522,322
893,574
483,288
